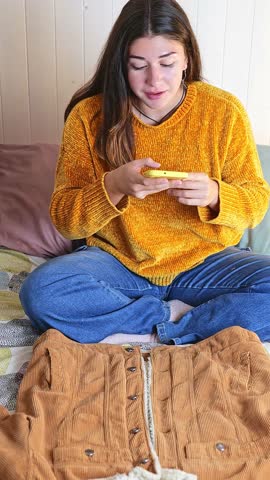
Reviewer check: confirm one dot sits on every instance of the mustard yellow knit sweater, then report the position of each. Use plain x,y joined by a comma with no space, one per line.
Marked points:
158,237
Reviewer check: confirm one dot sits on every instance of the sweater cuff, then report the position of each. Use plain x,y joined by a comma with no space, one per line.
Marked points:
124,202
100,205
228,204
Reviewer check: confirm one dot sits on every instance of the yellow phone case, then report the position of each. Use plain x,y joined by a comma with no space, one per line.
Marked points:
164,174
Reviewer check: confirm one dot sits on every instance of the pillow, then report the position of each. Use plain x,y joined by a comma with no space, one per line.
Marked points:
258,238
26,184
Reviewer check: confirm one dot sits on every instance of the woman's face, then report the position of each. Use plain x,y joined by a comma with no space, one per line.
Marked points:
155,69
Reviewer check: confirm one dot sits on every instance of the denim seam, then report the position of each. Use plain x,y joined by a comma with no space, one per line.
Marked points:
161,327
161,332
111,289
216,287
132,289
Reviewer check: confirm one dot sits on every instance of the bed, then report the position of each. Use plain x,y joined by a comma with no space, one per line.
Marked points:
28,238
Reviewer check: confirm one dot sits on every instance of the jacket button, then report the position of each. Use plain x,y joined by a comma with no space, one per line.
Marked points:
129,349
132,369
133,397
220,447
89,452
144,461
135,430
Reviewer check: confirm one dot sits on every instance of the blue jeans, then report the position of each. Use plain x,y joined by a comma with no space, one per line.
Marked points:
88,295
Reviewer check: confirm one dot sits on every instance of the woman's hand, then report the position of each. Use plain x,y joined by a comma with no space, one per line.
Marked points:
128,180
198,190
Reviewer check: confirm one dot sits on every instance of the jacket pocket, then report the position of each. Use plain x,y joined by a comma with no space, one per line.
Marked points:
52,373
227,449
247,372
237,376
85,461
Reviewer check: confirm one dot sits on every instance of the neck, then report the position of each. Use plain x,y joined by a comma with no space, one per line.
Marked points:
162,118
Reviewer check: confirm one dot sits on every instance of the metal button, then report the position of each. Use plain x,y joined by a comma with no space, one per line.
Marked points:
220,447
135,430
133,397
144,461
132,369
89,452
129,349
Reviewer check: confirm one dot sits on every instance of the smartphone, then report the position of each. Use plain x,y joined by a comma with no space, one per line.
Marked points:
164,174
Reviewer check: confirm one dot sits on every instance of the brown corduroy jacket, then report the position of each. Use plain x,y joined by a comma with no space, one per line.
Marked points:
107,411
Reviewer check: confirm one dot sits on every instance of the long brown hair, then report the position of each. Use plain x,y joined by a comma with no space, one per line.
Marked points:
138,18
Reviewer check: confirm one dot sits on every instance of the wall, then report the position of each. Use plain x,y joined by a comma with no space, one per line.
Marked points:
48,49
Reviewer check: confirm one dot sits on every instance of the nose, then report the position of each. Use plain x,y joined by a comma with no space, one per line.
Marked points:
153,75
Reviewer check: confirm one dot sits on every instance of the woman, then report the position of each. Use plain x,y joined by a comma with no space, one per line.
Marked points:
160,253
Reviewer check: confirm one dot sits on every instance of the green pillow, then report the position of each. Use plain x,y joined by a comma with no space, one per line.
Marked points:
258,238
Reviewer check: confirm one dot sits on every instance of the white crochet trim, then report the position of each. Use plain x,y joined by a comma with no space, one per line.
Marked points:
147,373
139,473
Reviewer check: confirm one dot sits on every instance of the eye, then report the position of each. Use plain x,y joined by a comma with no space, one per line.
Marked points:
134,67
169,65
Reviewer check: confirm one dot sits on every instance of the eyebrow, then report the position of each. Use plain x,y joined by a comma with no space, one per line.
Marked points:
143,58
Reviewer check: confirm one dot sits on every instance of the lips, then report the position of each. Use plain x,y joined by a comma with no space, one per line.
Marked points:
154,96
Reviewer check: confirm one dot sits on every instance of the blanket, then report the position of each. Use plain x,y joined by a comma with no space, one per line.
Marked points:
16,333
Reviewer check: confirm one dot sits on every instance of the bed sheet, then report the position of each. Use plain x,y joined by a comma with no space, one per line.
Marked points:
17,336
